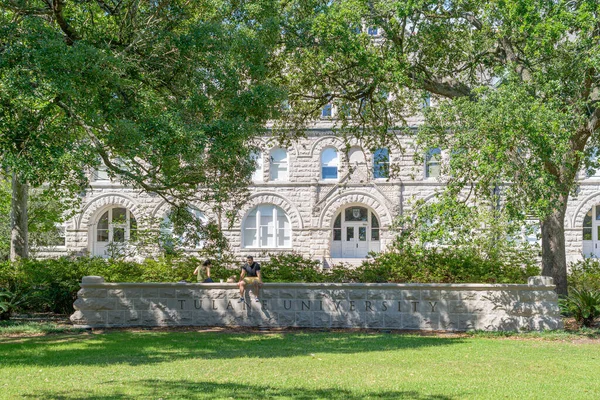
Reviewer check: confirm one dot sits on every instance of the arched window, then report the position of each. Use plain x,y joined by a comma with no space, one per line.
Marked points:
329,163
433,163
267,226
381,163
279,165
189,238
116,227
257,157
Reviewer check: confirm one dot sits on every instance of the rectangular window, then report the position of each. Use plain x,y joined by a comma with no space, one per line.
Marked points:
327,111
433,163
373,31
362,233
337,234
381,163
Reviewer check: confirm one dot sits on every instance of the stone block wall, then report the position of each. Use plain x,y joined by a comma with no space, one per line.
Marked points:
443,307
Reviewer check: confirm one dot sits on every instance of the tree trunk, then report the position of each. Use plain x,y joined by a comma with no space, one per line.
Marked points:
19,240
554,258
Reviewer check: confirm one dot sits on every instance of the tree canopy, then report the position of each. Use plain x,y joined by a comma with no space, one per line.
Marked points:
516,84
167,95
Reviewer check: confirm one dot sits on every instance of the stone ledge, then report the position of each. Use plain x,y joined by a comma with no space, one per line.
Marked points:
372,305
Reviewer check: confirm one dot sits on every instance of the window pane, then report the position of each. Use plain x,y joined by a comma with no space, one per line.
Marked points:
375,234
257,175
362,233
587,233
373,31
338,221
326,112
381,160
587,220
337,234
250,237
374,221
103,223
102,235
119,235
119,215
330,172
349,233
356,214
432,163
598,213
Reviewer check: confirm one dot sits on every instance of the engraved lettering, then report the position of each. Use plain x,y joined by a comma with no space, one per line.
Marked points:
214,307
286,306
307,305
229,305
414,305
368,306
197,304
399,310
181,303
352,306
264,304
337,305
384,305
432,305
320,305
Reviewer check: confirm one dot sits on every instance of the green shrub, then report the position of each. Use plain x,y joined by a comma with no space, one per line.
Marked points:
583,305
291,267
405,263
585,274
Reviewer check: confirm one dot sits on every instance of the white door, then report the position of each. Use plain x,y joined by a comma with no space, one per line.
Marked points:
354,241
596,232
114,229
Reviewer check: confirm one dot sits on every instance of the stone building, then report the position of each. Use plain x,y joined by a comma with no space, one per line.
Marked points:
305,199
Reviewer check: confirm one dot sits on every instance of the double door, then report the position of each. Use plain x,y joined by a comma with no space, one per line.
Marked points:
354,240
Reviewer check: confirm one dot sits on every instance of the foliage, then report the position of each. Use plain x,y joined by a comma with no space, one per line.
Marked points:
405,262
583,305
168,99
585,274
514,92
291,267
12,301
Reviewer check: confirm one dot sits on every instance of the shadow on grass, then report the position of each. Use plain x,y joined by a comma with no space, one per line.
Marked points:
149,348
185,389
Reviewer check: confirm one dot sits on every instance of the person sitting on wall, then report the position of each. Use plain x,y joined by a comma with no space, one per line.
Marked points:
203,272
253,279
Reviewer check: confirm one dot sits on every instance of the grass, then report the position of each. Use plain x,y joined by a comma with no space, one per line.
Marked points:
302,365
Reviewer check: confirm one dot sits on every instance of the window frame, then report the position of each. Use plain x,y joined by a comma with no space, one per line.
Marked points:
272,227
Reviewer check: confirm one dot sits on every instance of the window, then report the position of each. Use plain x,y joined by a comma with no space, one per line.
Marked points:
373,31
587,226
354,214
337,228
188,236
426,100
327,110
257,158
279,165
381,163
267,226
433,163
329,163
374,228
100,174
116,225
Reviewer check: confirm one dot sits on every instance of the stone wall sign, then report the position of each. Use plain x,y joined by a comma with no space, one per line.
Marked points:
444,307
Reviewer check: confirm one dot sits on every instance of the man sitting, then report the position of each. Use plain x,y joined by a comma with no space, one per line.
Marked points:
251,277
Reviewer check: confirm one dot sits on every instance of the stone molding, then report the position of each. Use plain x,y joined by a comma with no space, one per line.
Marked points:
354,197
581,210
443,307
112,199
275,199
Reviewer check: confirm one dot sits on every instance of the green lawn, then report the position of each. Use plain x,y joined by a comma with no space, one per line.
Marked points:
190,365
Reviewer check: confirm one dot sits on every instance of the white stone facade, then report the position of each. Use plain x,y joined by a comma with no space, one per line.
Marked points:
306,206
